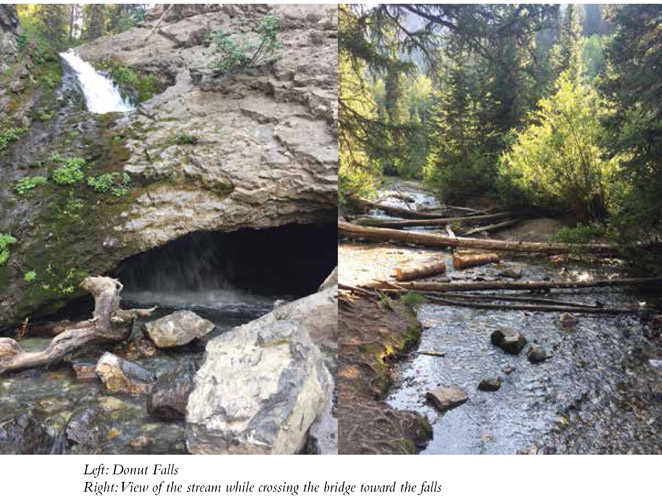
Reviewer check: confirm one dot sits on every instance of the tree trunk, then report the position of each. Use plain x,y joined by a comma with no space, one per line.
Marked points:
521,285
109,324
394,211
400,223
420,271
491,227
467,261
439,241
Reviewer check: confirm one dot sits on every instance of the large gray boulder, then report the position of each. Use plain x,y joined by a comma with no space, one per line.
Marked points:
260,389
178,328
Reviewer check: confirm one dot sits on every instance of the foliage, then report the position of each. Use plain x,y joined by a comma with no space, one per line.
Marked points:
557,162
138,86
94,21
5,241
593,57
70,172
9,135
28,183
30,276
114,183
184,138
582,233
236,52
412,299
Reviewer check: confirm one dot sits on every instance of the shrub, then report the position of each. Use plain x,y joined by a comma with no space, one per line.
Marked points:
131,82
5,240
182,138
236,52
115,183
30,276
412,299
582,233
10,135
28,183
71,171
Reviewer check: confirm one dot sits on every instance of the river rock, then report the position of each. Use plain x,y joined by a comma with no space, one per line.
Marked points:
9,347
509,340
87,427
537,354
178,328
120,375
85,371
568,320
21,433
169,395
511,272
261,387
490,384
447,398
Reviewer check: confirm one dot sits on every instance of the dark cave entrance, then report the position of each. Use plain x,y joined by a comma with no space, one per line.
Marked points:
290,260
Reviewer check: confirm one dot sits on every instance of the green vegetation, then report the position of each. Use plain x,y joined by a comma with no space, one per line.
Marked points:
29,183
9,135
5,241
412,299
236,52
70,172
114,183
30,276
582,233
134,84
184,138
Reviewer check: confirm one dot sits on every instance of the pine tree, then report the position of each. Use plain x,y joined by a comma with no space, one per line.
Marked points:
53,22
94,21
567,53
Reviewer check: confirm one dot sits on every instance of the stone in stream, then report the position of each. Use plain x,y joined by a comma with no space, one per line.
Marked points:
537,354
490,384
120,375
9,347
85,371
447,398
87,427
178,328
21,433
568,320
261,387
169,395
508,339
511,272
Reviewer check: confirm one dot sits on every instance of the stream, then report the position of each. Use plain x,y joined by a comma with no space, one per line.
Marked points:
598,393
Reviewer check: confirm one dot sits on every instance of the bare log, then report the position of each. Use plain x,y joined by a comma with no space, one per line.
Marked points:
420,271
533,307
439,241
420,286
394,211
158,23
109,324
492,227
400,223
467,261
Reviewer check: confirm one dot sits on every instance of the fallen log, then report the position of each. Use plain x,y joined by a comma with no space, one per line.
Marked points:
420,271
533,307
439,241
492,227
400,223
394,211
109,324
467,261
420,286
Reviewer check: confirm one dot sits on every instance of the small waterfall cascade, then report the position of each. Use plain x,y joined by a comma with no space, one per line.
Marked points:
101,94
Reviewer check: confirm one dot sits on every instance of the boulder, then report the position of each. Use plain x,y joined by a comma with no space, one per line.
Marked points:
323,435
178,328
260,389
120,375
537,354
509,340
330,281
85,371
87,427
21,433
568,320
490,384
169,395
447,398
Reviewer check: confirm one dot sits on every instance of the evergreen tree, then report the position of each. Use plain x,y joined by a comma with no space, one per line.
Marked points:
53,23
567,53
94,21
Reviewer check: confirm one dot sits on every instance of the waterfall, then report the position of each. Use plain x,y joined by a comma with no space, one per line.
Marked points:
101,94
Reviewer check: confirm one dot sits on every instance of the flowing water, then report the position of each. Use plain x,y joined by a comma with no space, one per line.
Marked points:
598,393
101,94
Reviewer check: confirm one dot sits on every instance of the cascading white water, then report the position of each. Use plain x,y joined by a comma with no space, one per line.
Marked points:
101,94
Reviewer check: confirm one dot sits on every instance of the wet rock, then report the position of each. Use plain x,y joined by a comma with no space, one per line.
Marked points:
490,384
178,328
511,272
537,354
261,387
170,393
9,347
137,348
120,375
87,427
447,398
568,320
323,435
656,364
85,371
509,340
507,370
21,433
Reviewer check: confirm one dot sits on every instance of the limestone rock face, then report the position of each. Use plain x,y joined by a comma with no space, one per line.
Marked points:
178,328
120,375
261,387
